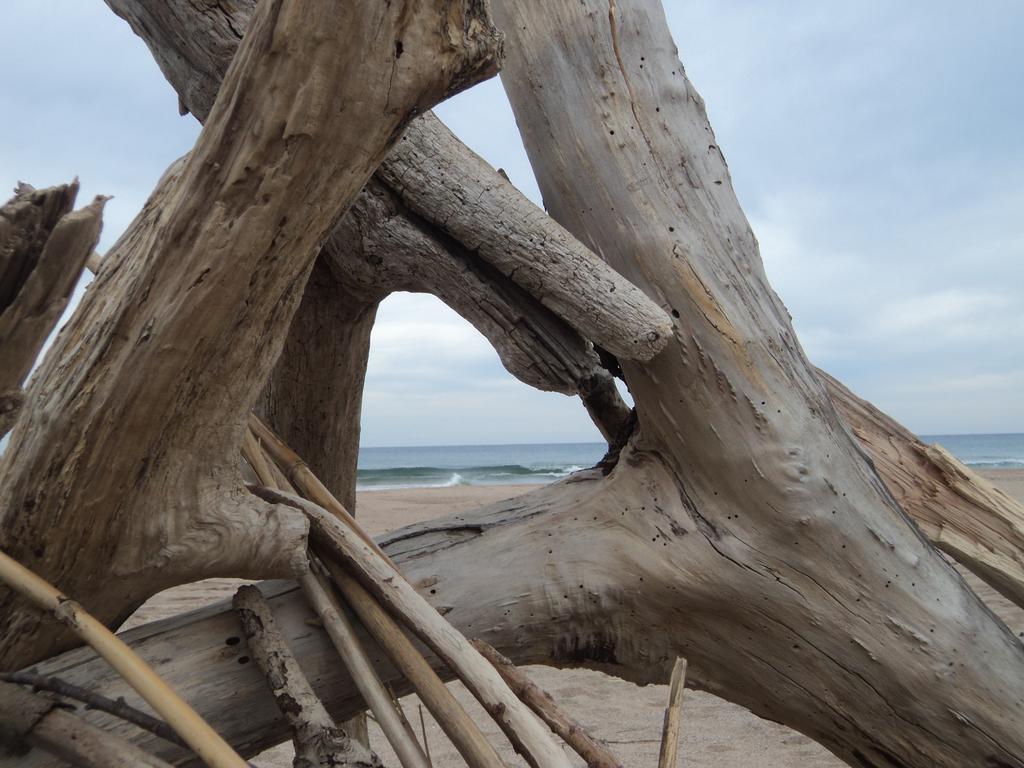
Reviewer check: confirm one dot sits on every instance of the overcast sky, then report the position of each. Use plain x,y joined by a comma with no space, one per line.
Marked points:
877,148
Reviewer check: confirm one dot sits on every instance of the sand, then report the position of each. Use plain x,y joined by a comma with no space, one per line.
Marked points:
715,732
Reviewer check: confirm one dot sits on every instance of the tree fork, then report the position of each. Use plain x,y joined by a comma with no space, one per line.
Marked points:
147,393
383,245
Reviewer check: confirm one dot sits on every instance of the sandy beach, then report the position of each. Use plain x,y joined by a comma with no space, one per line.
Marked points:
715,732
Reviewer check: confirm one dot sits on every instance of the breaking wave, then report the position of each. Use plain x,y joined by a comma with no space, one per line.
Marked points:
438,477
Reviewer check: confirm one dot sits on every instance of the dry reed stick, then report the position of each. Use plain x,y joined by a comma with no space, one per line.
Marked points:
594,752
423,730
195,731
301,476
465,735
343,635
253,453
670,735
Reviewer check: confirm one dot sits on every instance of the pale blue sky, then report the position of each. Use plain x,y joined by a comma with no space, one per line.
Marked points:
876,146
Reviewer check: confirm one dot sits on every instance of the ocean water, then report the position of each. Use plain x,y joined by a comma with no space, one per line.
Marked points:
444,466
984,451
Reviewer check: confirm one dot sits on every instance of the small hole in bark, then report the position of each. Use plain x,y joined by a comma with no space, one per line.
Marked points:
611,133
433,591
243,659
398,49
233,640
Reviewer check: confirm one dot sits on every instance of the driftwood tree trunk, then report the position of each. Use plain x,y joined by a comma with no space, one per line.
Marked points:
758,484
740,525
497,260
139,411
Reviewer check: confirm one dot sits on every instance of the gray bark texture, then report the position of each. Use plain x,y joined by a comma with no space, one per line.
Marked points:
140,408
763,484
738,523
43,250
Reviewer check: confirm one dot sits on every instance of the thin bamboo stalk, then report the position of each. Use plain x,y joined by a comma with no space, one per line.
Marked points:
405,721
594,752
203,740
343,540
465,735
301,476
253,453
668,756
342,634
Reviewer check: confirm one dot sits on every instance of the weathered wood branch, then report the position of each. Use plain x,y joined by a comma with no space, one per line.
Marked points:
192,729
595,753
143,402
451,187
439,179
116,707
43,249
343,636
668,756
33,720
805,544
319,743
961,512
